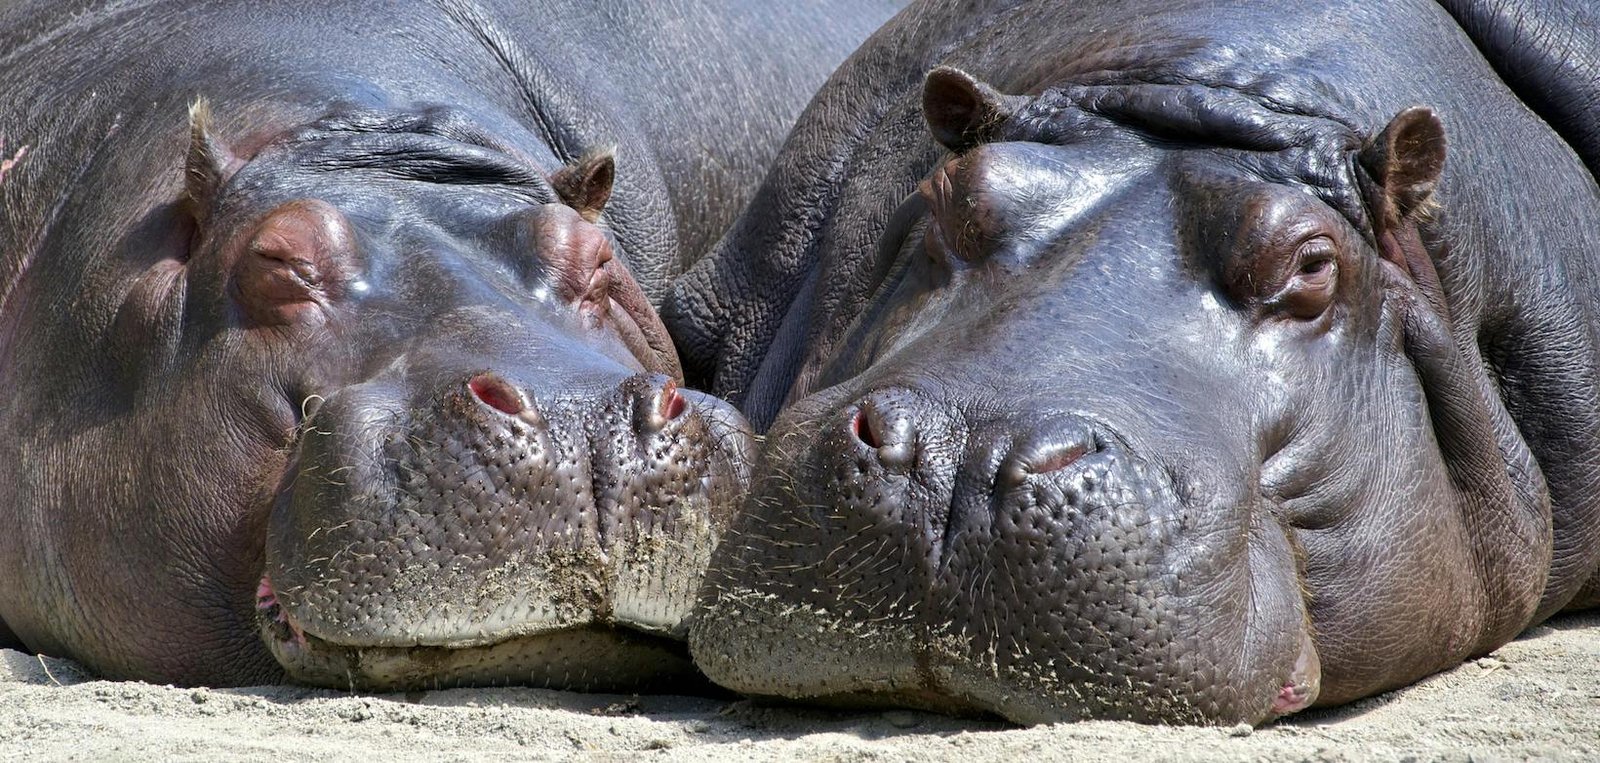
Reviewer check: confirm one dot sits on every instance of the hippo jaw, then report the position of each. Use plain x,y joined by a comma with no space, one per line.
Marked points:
481,542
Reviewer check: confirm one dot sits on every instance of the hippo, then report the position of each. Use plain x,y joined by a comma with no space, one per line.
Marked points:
331,339
1176,362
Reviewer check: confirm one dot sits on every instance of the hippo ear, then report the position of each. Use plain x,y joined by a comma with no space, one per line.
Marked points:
585,185
209,163
961,111
1405,161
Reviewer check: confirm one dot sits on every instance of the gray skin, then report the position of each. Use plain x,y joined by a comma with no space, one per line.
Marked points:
1177,362
329,334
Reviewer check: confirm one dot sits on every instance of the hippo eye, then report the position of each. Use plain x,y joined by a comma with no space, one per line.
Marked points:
292,265
1310,290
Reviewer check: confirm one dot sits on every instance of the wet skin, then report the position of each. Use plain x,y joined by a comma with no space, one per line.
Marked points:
1201,382
332,336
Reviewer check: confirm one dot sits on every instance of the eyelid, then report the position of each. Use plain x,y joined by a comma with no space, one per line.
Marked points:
1327,243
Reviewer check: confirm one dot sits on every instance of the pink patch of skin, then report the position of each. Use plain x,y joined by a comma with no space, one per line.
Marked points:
267,599
1304,683
6,165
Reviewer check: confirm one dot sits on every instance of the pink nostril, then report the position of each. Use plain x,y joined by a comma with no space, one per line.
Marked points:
863,429
672,403
496,393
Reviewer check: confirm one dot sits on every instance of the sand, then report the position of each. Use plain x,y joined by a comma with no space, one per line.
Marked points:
1536,698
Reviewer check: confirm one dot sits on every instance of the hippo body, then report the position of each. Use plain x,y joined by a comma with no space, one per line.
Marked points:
320,340
1176,362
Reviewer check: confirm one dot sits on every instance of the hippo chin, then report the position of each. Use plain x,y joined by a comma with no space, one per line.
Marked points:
1168,372
354,374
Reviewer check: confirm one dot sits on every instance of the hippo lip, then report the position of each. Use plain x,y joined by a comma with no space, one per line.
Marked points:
618,657
277,621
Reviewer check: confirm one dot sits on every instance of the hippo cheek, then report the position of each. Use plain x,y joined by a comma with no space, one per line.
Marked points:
952,572
491,538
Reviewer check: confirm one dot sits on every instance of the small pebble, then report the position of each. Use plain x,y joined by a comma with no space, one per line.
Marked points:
901,719
1241,730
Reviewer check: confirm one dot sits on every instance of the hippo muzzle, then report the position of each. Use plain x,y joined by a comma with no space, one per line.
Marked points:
966,561
476,533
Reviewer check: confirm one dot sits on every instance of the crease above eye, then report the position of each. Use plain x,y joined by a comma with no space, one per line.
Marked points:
596,298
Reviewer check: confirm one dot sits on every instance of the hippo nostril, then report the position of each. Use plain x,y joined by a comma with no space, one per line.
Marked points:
673,403
497,393
889,430
656,402
1056,448
862,427
1059,458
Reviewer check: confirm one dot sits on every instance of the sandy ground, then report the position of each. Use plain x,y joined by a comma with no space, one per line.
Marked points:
1537,698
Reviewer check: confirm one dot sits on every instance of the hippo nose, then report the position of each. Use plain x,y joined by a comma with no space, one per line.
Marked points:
656,402
888,423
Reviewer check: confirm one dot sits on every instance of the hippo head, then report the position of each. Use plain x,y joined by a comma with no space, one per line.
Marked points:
489,472
1155,410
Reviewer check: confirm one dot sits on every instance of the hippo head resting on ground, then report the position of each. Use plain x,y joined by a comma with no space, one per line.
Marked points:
472,461
1151,407
494,474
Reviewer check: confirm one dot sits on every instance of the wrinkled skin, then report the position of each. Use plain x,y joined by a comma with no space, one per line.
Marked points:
1236,360
331,339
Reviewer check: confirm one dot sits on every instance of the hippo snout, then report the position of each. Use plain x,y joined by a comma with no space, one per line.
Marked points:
1036,564
483,526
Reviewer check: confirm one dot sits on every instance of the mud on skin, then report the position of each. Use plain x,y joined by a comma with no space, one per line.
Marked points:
333,338
1186,373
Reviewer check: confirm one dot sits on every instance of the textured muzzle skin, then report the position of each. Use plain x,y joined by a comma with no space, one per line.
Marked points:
1089,591
456,544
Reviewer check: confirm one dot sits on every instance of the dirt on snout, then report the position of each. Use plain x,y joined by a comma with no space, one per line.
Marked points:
1536,698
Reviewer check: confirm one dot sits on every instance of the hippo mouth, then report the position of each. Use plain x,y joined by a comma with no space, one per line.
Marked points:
601,656
478,541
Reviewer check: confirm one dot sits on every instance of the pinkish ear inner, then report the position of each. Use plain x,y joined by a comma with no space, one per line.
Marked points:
291,268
